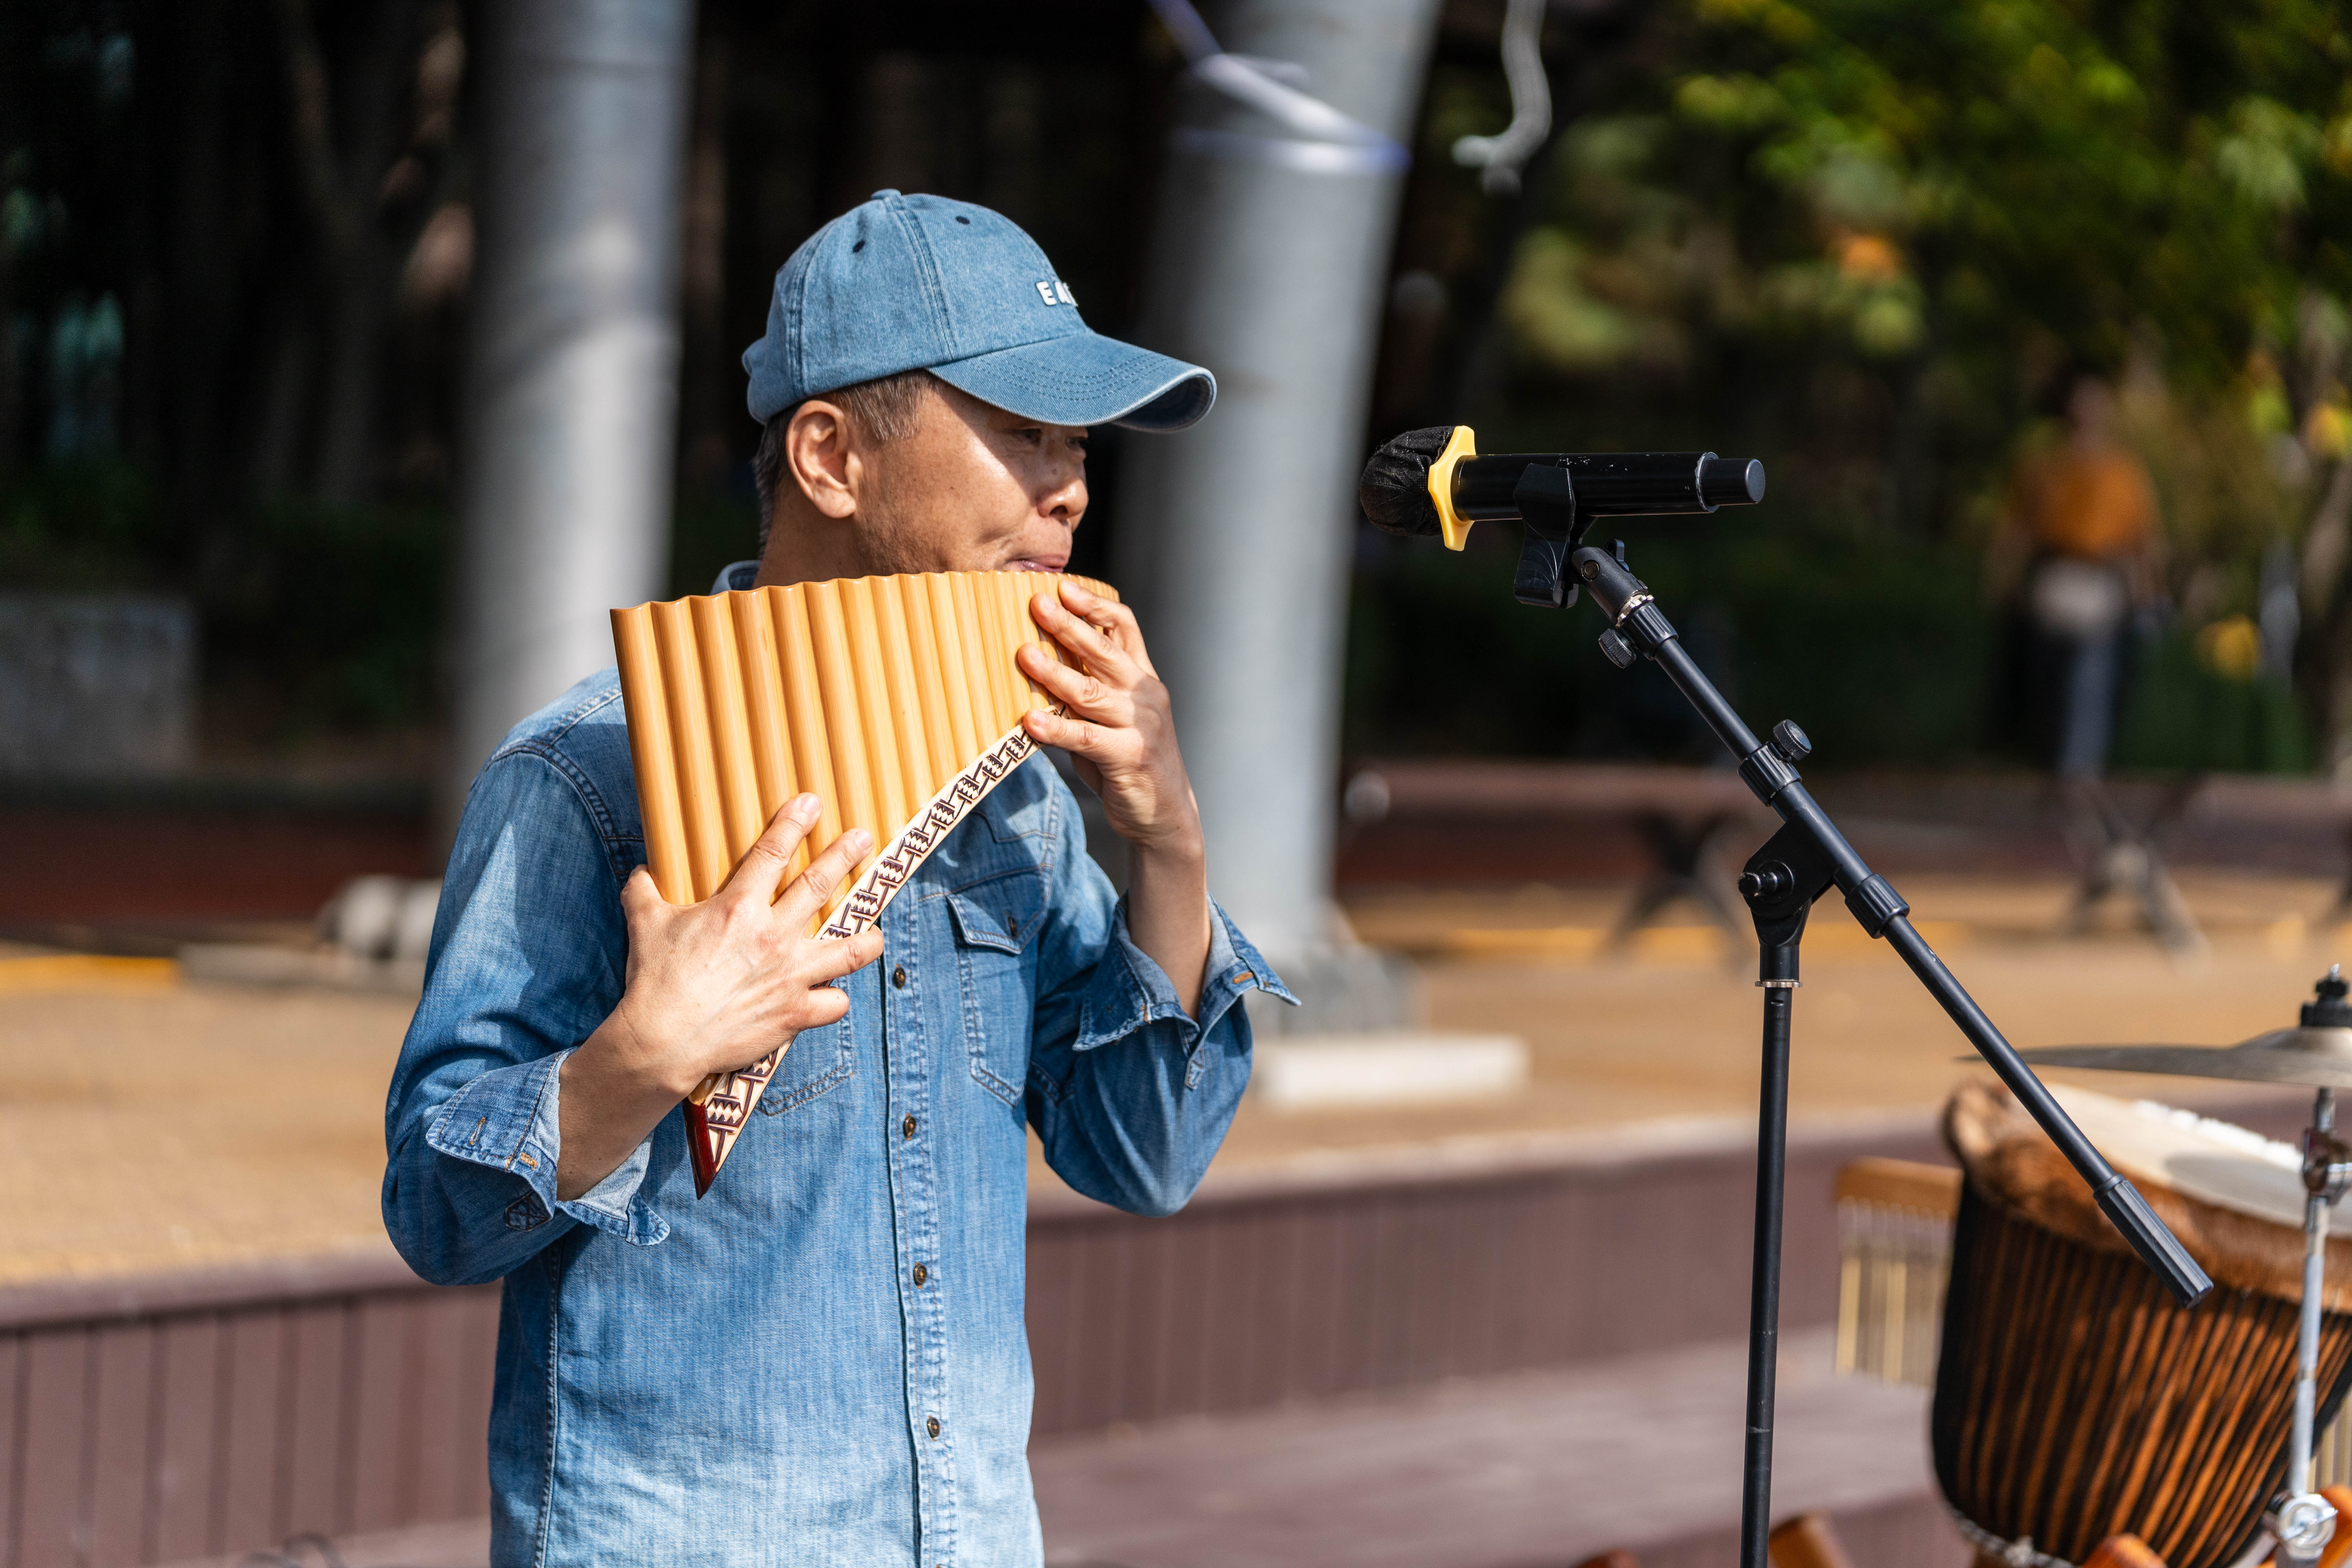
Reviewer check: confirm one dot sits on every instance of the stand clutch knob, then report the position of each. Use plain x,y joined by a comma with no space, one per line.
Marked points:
1793,745
1616,649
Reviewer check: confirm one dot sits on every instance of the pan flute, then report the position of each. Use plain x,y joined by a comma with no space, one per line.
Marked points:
895,700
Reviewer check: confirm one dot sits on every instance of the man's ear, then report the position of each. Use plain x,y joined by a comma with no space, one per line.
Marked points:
821,456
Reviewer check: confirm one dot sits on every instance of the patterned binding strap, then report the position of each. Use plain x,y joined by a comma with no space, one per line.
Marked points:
716,1121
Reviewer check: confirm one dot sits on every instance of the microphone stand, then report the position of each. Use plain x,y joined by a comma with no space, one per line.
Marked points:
1800,862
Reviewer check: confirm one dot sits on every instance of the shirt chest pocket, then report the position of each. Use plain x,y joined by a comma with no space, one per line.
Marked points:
819,1059
996,924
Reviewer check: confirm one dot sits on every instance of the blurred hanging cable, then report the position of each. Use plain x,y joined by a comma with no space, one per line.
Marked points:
1326,140
1502,157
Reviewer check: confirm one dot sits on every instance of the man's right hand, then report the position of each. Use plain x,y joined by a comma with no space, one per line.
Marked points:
711,987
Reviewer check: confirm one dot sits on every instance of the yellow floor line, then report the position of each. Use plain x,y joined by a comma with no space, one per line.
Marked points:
1665,943
86,972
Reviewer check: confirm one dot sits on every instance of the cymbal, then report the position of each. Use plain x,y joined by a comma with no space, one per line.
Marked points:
2315,1058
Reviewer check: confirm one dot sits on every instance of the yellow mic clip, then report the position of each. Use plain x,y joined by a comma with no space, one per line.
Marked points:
1462,443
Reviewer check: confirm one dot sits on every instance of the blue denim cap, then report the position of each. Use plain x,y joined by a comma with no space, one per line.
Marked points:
925,283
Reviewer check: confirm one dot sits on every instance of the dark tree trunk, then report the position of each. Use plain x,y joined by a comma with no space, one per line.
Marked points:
2327,599
345,130
354,343
1910,452
199,242
15,47
284,405
10,356
709,407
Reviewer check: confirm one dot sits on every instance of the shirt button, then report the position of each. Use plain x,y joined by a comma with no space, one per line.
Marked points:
907,1127
898,978
921,1274
932,1426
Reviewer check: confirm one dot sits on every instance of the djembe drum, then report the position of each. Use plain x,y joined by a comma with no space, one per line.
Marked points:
2073,1400
895,700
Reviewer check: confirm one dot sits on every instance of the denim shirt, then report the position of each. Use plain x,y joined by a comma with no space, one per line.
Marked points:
823,1361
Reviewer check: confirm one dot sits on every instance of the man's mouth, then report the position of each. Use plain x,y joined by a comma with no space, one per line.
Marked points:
1038,564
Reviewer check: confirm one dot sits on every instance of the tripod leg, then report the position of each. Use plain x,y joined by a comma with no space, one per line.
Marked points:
2165,912
2098,836
1669,878
1711,885
1654,893
2341,907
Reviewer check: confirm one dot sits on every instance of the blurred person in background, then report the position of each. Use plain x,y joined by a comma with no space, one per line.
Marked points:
2077,551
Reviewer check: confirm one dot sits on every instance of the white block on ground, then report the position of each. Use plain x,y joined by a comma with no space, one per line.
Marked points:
1317,1072
266,963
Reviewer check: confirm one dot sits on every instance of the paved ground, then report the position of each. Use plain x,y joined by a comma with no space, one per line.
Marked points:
1535,1468
463,1543
144,1127
144,1124
1542,1468
1669,1028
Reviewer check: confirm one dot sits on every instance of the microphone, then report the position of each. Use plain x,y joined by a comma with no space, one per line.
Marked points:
1432,481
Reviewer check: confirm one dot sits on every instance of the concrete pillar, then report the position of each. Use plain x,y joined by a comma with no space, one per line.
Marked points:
572,348
1268,266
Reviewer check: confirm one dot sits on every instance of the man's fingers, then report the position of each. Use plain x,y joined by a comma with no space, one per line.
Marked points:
1108,614
638,894
762,870
814,888
1097,742
847,956
1081,633
1096,696
1089,641
826,1006
1090,607
1109,617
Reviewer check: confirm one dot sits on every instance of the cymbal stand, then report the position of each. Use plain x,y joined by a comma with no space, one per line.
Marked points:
2302,1520
1806,857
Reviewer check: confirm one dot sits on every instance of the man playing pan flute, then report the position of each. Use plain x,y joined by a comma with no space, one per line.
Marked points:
823,1361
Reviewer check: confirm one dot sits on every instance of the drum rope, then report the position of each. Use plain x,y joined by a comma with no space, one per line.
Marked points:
2018,1554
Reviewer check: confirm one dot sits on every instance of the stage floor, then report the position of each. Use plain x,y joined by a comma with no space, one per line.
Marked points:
150,1124
1545,1467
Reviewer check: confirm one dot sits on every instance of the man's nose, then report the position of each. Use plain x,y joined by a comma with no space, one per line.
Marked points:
1068,500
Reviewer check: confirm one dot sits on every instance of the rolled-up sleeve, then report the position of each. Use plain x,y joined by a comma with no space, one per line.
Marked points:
1130,1095
1128,990
529,956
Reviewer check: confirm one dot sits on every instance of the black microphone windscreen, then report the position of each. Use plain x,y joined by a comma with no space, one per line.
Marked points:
1731,481
1394,492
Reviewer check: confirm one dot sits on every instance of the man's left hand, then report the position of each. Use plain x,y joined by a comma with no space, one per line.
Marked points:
1118,725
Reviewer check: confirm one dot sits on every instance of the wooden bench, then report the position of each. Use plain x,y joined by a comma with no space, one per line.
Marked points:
1682,819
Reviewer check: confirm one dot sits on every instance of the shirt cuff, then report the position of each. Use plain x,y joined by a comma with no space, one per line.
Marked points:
1130,990
510,1119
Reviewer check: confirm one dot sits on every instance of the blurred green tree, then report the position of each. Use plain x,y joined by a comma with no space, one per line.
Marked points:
1900,227
1983,173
